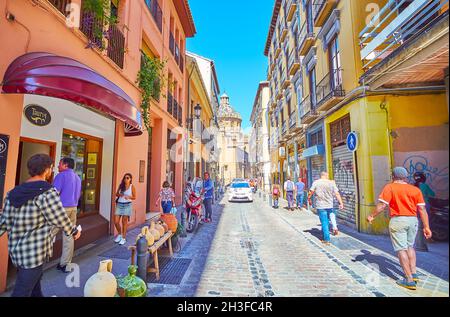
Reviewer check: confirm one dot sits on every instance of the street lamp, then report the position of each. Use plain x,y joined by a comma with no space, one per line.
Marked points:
197,111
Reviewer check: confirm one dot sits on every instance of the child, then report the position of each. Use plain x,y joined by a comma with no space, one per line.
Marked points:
276,195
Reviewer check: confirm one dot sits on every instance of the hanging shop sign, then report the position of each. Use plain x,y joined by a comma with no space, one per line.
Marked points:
4,142
37,115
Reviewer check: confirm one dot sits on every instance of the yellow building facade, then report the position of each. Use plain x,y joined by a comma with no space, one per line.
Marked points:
200,123
352,79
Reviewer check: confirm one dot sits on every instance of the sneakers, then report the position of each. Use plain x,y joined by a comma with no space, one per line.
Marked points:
118,238
409,285
122,242
335,232
326,242
415,277
61,268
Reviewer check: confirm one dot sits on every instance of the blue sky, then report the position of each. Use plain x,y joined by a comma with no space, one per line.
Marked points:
233,33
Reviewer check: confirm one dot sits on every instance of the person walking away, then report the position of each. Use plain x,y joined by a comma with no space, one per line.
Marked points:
420,181
299,189
126,193
289,188
276,195
166,197
404,201
325,190
68,185
30,214
208,187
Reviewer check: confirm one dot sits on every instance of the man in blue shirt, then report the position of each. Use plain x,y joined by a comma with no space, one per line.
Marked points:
68,184
208,187
300,188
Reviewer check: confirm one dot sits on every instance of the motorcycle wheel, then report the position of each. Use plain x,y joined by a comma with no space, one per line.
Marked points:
440,235
192,223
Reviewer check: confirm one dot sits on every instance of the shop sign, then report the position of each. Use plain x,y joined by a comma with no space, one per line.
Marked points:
4,141
282,152
37,115
352,141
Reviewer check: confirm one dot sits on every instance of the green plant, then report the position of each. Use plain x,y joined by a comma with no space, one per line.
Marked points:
97,14
151,81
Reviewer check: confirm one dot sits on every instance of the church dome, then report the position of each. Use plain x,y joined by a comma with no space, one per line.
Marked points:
226,110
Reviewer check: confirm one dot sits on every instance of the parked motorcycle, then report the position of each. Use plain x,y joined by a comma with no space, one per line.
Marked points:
195,211
439,219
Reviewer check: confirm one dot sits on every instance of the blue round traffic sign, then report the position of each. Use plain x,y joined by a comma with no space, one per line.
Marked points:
352,141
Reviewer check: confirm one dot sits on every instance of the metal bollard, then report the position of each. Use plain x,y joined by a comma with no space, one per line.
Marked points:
141,248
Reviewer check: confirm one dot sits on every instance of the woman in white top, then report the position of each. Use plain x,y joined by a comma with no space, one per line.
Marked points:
124,207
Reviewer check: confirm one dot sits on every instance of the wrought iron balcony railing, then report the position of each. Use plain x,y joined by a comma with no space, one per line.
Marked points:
304,35
169,103
305,107
293,60
116,45
330,86
61,5
293,119
284,128
394,24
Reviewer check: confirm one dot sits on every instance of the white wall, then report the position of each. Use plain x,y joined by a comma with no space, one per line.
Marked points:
68,115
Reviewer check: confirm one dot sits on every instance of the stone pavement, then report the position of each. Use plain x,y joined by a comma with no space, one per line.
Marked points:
251,249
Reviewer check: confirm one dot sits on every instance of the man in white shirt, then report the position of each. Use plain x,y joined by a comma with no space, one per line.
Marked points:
325,191
289,188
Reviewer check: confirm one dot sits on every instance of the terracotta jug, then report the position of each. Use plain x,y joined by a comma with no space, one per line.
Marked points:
103,283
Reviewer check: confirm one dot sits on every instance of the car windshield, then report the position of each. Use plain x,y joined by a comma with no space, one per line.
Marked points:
240,185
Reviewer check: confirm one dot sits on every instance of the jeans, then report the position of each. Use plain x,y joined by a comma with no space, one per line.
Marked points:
300,200
28,282
323,215
208,208
275,202
290,199
166,206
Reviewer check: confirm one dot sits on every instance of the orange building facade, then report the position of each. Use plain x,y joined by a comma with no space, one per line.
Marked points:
64,96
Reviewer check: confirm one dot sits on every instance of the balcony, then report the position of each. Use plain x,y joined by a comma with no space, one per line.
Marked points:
307,39
284,129
170,103
293,62
176,53
410,35
322,10
329,91
285,79
279,93
283,30
116,45
61,5
293,120
276,48
156,12
291,8
307,113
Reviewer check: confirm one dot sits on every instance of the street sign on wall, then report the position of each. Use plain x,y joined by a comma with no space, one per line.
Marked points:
4,142
352,141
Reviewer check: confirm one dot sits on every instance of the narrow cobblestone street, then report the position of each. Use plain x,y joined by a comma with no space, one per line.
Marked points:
257,251
252,250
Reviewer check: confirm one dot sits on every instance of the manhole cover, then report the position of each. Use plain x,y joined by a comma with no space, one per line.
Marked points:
348,243
117,252
171,271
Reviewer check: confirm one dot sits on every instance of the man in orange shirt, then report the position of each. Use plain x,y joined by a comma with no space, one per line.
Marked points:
404,202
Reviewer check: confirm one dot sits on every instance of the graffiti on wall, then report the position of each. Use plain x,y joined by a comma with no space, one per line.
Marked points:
434,164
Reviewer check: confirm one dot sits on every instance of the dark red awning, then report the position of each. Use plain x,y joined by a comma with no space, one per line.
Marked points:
61,77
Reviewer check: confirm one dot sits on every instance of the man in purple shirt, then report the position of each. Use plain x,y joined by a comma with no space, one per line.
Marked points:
68,184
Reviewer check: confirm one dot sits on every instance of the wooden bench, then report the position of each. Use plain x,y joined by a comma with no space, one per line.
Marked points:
153,250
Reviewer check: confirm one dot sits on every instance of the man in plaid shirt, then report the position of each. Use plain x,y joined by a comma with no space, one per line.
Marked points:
31,211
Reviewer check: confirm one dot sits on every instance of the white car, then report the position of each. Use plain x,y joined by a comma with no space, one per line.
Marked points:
240,192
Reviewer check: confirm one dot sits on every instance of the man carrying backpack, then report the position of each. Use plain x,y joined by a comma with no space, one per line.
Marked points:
289,188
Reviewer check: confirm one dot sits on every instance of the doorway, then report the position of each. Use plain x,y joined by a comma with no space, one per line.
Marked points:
28,148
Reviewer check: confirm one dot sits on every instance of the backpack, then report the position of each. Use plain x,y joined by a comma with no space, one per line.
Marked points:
290,186
276,191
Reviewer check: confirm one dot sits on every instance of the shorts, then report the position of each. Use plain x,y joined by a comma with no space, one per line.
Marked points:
124,209
403,231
